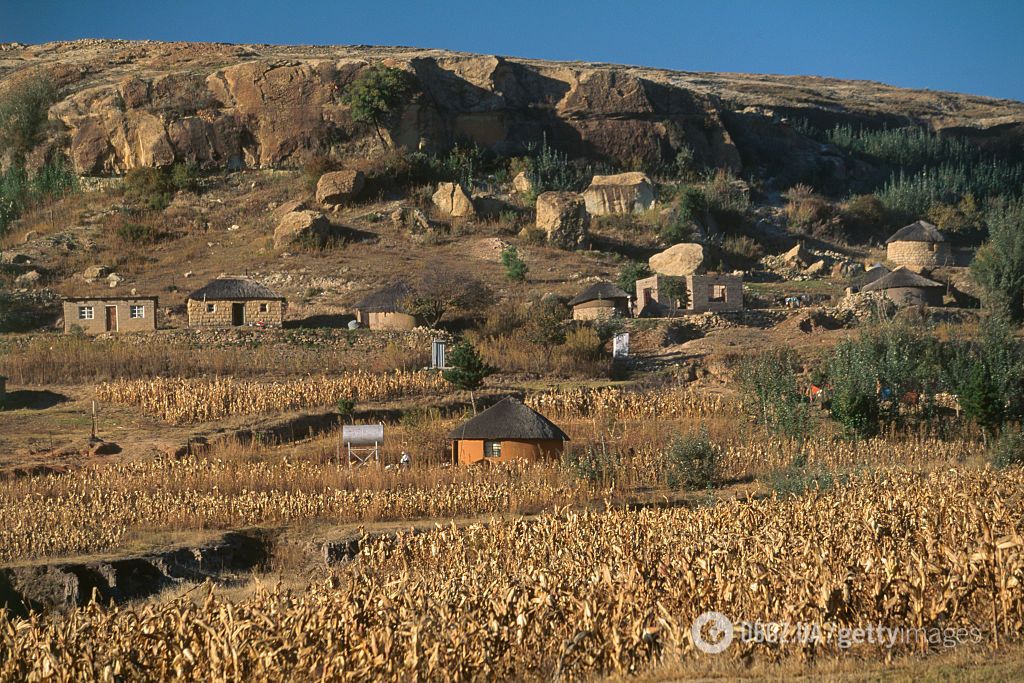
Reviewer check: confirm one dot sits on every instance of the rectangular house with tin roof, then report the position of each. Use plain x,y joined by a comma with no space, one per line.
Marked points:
110,314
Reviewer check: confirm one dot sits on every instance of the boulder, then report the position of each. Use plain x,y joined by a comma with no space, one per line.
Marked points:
618,194
114,280
522,184
29,278
452,200
95,272
817,268
564,219
489,206
299,226
13,257
339,187
797,257
679,260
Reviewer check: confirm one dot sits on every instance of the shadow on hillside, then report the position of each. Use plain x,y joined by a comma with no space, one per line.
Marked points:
27,399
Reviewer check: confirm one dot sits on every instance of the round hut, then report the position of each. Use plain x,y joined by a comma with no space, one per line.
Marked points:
907,288
508,430
867,277
919,244
600,301
385,309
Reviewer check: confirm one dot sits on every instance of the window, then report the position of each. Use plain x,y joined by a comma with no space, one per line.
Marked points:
211,308
137,312
492,449
264,308
86,313
717,293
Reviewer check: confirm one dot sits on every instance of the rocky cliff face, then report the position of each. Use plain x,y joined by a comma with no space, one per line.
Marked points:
129,104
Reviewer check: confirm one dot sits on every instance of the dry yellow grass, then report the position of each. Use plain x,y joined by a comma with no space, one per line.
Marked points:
577,595
184,401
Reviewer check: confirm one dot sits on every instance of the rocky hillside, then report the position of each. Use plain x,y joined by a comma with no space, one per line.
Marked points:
126,104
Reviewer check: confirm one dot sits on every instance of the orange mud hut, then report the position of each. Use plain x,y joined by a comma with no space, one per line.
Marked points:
507,431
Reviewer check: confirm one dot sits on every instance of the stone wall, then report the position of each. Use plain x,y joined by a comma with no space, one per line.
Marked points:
123,322
603,309
382,320
200,315
920,253
702,288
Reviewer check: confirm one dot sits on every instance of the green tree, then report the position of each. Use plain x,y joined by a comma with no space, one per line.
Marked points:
988,375
630,273
692,462
770,392
24,112
673,290
999,264
690,210
467,370
545,326
376,95
437,292
515,267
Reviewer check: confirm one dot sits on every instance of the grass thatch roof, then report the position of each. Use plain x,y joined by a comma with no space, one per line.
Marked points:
390,299
509,419
869,276
918,231
899,279
233,288
599,291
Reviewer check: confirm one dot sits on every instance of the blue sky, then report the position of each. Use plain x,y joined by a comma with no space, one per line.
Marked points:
973,47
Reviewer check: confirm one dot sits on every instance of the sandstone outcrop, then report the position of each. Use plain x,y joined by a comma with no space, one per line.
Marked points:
451,200
679,260
618,194
299,226
339,187
128,104
564,219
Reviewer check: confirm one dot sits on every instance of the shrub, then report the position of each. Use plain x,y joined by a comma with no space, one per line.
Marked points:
692,462
630,273
150,186
690,210
138,233
798,478
185,176
988,375
805,209
1008,450
583,348
741,250
770,392
515,267
346,407
864,217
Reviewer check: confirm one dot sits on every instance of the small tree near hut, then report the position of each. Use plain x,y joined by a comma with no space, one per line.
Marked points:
468,370
436,293
515,267
376,95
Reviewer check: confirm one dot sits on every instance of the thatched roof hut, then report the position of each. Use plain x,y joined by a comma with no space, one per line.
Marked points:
234,289
507,430
867,277
919,244
385,308
600,301
233,302
905,287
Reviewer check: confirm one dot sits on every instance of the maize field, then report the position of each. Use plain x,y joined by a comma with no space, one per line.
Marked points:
675,401
188,401
575,595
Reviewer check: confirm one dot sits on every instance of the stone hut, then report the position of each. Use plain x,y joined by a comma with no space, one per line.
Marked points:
385,309
715,292
600,301
508,430
110,314
919,244
906,288
235,302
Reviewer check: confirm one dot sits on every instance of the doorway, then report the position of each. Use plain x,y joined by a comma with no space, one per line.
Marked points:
237,314
111,319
